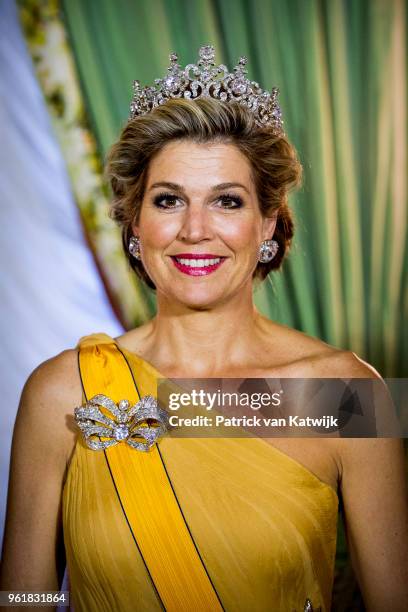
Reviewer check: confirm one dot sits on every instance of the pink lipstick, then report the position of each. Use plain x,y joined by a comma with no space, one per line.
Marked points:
197,264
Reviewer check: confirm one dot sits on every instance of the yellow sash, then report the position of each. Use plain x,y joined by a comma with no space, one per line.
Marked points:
145,491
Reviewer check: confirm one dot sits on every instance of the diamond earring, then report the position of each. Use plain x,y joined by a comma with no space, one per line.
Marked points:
134,247
268,250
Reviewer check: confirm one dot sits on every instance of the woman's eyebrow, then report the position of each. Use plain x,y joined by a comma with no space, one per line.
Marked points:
228,186
180,189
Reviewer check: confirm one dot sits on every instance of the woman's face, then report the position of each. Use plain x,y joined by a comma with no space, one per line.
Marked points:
200,225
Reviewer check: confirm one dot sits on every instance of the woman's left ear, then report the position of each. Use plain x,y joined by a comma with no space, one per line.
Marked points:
269,224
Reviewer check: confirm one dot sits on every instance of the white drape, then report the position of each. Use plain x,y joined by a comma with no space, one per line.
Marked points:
51,292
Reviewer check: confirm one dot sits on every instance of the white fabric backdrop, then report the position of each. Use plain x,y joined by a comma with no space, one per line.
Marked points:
51,291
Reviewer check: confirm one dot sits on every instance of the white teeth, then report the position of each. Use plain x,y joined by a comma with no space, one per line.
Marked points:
199,263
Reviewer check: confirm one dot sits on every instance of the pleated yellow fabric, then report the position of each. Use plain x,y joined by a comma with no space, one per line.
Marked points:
146,495
257,529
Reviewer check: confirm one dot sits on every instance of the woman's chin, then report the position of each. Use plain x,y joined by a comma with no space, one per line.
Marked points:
198,300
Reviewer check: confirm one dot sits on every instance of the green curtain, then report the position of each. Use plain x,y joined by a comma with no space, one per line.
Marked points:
341,70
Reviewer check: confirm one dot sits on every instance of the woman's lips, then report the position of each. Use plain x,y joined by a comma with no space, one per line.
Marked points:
199,265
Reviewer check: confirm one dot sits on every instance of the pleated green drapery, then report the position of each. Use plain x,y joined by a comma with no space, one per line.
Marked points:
341,70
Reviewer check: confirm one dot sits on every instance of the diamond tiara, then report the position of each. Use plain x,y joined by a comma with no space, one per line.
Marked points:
206,80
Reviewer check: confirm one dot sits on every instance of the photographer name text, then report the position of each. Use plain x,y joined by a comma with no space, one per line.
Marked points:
324,422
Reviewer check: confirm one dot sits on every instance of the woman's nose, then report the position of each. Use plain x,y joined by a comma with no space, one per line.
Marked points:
196,223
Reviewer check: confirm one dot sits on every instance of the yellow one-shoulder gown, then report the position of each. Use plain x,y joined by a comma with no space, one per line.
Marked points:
265,526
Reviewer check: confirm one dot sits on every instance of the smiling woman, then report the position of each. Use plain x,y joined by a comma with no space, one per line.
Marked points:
200,178
211,206
226,144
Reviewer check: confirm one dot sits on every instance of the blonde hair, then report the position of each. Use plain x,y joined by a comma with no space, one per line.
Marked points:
275,167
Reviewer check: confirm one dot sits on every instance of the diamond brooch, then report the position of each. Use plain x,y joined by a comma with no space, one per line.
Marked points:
139,425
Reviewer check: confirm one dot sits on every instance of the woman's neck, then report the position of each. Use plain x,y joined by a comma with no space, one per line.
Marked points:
204,342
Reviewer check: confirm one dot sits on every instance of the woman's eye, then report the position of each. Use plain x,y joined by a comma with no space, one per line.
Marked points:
165,200
229,202
171,201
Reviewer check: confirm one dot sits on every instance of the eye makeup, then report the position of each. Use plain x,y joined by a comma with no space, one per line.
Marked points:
226,198
162,197
229,197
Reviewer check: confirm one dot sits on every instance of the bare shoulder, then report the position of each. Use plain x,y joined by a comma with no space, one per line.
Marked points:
307,356
344,364
48,376
57,369
310,357
337,363
359,458
47,402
